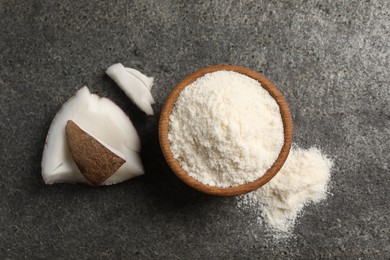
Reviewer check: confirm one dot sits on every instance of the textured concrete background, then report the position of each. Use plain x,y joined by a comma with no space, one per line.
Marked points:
330,59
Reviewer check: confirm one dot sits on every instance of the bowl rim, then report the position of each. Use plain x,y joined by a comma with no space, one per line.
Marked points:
243,188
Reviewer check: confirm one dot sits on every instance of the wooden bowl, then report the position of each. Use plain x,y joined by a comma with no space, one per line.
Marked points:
236,190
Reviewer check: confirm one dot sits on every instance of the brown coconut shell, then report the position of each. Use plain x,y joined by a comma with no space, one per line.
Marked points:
95,161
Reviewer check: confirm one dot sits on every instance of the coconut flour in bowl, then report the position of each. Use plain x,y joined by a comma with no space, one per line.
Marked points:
225,129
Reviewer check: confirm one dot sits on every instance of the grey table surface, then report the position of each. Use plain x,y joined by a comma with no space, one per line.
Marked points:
331,59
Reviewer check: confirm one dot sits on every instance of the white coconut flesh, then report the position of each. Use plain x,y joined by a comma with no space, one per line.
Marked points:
105,122
136,86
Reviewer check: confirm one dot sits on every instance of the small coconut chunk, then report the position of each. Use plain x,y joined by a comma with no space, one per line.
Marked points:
136,86
96,162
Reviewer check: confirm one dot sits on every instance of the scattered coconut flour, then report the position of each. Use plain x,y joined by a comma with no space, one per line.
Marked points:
225,129
136,86
107,125
303,179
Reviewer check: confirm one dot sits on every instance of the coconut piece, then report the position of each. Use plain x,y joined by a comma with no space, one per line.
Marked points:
96,162
136,86
104,121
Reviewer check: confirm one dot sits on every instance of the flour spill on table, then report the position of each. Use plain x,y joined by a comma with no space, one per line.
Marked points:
303,179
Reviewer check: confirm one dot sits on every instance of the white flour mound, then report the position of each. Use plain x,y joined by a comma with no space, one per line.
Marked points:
303,179
225,129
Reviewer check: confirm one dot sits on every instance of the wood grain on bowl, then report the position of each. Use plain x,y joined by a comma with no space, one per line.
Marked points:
244,188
